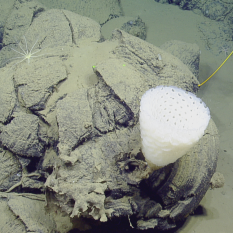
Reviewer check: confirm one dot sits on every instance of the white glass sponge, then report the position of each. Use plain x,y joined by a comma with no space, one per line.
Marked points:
171,122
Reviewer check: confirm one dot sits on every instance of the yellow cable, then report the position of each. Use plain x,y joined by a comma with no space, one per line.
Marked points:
216,70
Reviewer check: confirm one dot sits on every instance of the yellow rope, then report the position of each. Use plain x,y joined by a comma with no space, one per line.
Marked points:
216,70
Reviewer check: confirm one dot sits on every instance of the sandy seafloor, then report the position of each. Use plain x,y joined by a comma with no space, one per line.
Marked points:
168,22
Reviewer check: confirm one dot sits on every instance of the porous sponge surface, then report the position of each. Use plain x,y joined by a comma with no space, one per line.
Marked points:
171,122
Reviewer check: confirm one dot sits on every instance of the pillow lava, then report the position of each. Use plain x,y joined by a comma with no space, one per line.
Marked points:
72,108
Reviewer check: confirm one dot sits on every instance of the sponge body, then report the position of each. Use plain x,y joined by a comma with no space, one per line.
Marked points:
171,122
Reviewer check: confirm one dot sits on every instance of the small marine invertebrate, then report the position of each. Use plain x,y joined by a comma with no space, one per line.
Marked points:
225,50
24,52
